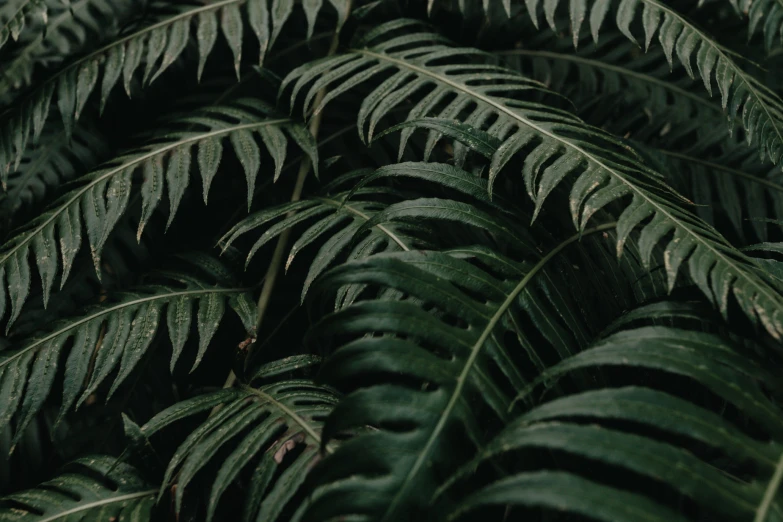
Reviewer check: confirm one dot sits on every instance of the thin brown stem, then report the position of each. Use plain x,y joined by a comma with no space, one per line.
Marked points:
276,262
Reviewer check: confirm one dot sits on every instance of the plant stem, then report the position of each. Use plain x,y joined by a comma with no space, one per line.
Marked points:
769,494
282,242
270,278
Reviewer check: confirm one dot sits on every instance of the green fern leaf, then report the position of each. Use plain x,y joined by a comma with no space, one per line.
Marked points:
129,324
701,357
13,25
269,422
91,488
731,181
459,352
568,493
46,166
605,169
70,30
159,44
341,220
612,67
758,108
767,15
102,196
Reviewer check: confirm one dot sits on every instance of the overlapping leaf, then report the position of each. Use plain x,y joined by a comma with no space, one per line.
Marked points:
747,100
117,334
91,488
437,360
356,221
70,29
157,45
729,481
101,197
13,18
274,429
595,75
555,145
763,15
727,179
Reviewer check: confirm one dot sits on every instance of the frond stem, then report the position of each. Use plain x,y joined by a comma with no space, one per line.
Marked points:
91,505
584,152
288,411
769,494
619,70
120,306
350,209
718,166
282,242
135,161
476,350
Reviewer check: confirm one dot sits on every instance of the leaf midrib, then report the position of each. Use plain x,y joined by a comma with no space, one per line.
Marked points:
475,350
119,306
103,502
767,500
614,68
111,172
717,166
722,55
289,412
137,34
344,205
501,108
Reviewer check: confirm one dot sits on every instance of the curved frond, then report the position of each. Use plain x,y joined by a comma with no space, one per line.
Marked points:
731,181
436,360
158,45
91,488
707,459
273,429
360,221
758,108
101,197
764,15
613,66
555,145
68,30
114,335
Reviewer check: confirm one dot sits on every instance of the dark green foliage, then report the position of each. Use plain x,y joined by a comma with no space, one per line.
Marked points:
387,261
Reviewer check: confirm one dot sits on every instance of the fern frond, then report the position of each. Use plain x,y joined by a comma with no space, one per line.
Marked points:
355,221
555,143
767,15
275,429
68,31
758,108
748,191
13,18
56,159
158,45
585,425
613,66
91,488
102,196
437,358
120,331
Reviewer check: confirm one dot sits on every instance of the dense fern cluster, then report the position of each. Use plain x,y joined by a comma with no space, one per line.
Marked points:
391,260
